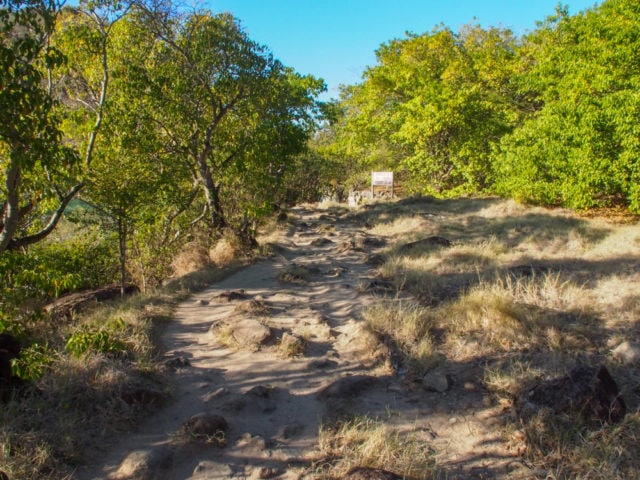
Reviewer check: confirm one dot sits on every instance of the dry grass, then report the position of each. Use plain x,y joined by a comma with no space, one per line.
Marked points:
192,257
88,396
529,292
408,325
364,442
76,404
291,345
297,274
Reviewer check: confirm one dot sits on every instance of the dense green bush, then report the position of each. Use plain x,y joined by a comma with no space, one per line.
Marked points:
580,145
45,271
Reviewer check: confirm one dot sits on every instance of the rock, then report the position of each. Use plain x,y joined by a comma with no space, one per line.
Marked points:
10,348
245,332
282,217
290,431
234,404
373,241
206,427
262,398
627,353
10,344
147,464
318,242
348,386
206,470
177,362
589,391
366,473
437,380
231,295
291,345
322,363
424,244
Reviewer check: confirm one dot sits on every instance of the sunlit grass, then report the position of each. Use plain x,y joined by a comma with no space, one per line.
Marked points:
366,442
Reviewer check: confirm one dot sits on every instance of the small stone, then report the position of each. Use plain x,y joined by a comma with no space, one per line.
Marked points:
436,380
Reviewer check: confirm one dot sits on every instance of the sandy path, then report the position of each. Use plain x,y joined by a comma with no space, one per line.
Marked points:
273,428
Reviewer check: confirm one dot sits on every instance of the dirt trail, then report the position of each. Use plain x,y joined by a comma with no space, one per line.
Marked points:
272,403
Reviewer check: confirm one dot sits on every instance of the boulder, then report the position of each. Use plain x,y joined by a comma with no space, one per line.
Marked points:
206,428
425,244
346,387
9,349
246,333
585,390
250,332
232,295
147,464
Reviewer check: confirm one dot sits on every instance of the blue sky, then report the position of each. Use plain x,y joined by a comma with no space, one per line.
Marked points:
337,39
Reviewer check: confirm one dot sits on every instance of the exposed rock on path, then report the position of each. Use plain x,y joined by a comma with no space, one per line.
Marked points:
259,410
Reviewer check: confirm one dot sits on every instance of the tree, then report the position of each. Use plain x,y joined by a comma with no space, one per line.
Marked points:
228,109
43,167
434,106
38,170
578,145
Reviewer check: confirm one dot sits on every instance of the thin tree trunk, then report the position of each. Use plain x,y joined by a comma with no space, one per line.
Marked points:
217,220
11,213
122,237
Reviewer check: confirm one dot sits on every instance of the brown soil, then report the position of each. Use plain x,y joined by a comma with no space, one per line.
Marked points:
274,404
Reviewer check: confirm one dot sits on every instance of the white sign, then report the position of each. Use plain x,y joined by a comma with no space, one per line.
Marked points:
382,178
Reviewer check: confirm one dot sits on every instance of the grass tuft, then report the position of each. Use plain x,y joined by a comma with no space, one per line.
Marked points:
365,442
408,325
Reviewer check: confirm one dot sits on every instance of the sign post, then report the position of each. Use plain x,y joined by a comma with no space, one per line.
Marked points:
382,179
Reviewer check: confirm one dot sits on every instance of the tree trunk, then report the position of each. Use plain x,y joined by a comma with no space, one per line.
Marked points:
11,213
217,220
122,238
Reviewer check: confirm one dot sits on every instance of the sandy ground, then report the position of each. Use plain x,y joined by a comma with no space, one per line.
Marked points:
273,429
